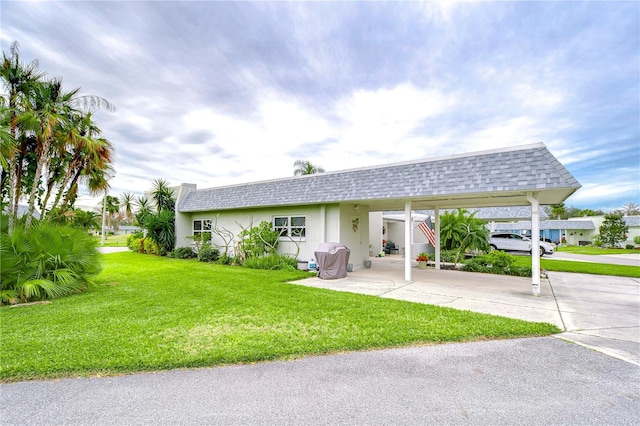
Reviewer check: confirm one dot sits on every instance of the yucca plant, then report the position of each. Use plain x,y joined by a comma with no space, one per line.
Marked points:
46,262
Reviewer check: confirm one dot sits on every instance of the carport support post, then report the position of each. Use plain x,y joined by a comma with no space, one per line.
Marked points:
436,211
534,199
408,242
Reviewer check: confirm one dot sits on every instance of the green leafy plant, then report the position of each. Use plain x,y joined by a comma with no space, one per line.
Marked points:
183,253
461,231
150,246
208,253
46,262
636,240
273,261
161,229
258,241
496,262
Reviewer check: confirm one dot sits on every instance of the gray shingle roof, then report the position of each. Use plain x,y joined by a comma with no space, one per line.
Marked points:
525,168
632,220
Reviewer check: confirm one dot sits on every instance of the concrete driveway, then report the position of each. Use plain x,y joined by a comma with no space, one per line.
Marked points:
600,312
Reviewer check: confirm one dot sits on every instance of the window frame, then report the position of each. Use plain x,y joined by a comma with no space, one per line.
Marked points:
288,230
204,227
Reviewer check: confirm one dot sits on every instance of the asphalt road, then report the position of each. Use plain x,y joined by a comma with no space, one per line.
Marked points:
523,381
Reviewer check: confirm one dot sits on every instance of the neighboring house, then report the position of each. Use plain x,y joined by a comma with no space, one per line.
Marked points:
335,206
578,237
554,230
575,231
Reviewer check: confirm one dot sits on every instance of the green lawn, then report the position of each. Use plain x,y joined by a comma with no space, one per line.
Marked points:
595,250
113,240
582,267
152,313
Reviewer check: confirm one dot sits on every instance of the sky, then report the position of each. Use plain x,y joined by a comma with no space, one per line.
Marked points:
221,93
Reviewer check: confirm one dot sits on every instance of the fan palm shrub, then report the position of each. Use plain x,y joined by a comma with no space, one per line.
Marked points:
45,262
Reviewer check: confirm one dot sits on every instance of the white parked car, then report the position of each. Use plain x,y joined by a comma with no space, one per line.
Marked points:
508,241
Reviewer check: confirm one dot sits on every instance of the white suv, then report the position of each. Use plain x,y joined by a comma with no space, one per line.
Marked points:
514,242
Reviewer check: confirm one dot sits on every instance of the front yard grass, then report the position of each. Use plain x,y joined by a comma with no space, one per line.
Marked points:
151,313
113,240
591,250
582,267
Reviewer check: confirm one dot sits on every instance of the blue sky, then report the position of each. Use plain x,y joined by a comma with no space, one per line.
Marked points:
217,93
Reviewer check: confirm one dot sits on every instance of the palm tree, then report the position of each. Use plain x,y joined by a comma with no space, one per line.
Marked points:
127,201
304,167
462,230
86,220
44,113
144,210
558,210
80,151
163,195
18,79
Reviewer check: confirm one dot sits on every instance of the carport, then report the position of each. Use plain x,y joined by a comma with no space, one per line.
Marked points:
516,176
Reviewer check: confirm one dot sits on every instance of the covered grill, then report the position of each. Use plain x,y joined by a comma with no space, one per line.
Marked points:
332,260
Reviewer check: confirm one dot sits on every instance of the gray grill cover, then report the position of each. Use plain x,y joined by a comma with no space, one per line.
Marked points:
332,260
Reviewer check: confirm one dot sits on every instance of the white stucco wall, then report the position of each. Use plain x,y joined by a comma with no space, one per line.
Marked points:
340,221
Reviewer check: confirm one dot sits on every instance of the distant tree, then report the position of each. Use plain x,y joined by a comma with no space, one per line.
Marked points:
613,230
630,209
558,210
590,212
113,218
86,220
304,167
127,201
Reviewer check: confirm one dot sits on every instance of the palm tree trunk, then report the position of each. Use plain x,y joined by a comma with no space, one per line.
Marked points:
34,189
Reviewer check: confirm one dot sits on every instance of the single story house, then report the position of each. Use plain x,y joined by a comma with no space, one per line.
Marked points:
335,206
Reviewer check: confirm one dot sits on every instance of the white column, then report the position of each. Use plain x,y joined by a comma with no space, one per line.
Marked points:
534,199
437,225
408,224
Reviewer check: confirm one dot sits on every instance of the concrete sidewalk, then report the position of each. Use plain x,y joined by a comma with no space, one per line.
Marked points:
600,312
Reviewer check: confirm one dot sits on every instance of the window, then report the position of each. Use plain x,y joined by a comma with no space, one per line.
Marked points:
291,226
200,226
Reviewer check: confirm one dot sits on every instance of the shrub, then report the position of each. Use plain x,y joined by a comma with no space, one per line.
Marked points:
272,261
46,261
258,240
475,265
496,262
629,246
225,259
636,240
135,243
448,256
208,254
183,253
150,246
161,229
